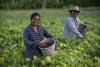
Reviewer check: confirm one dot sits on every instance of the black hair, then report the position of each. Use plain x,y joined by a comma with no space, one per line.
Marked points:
34,14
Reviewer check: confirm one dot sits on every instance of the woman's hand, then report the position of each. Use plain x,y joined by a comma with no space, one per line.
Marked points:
42,43
44,40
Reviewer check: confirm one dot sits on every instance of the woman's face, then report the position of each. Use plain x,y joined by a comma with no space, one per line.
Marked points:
36,21
74,13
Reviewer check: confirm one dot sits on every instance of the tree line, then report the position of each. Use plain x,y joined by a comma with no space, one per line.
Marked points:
36,4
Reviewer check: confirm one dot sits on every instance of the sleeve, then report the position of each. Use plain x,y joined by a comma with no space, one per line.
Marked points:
73,28
46,34
27,41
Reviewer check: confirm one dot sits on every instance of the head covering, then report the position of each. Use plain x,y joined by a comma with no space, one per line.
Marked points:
74,8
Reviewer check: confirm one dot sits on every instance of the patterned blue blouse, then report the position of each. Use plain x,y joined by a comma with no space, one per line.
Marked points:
31,39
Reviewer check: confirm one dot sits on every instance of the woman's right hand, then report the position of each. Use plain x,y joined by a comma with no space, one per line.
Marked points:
42,43
44,40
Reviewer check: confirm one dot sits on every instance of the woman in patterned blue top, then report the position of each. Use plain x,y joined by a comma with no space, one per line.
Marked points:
34,36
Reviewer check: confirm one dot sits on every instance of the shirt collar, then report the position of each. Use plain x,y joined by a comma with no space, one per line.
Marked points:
32,26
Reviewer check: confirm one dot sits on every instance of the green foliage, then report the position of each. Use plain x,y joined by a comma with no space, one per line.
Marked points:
76,53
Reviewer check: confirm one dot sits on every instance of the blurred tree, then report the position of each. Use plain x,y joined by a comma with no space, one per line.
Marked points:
30,4
44,4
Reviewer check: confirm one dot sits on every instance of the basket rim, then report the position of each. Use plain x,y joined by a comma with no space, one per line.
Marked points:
48,47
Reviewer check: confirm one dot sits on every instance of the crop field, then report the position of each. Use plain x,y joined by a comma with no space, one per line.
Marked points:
76,53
